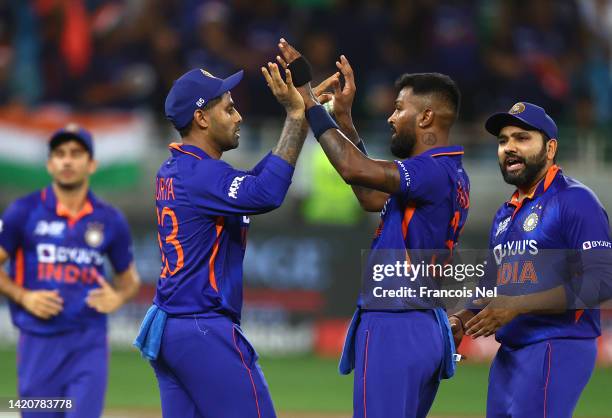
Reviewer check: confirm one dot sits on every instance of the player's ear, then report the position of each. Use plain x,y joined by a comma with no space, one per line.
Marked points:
425,118
93,166
201,118
551,148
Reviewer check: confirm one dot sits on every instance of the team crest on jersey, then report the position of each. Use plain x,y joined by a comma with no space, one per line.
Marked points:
94,235
503,225
531,222
517,108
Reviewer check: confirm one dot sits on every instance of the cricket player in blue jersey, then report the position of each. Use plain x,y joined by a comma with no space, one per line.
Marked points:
204,364
399,355
548,350
56,240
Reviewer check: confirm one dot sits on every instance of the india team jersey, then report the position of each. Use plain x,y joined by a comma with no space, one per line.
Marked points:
50,250
431,207
203,207
530,242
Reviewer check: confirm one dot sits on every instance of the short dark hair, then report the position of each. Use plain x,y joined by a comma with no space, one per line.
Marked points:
183,132
545,139
432,83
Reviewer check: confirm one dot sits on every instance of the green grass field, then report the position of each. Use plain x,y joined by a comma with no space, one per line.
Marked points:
310,384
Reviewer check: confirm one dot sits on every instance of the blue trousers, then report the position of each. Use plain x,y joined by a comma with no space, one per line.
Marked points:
69,365
397,364
544,379
207,369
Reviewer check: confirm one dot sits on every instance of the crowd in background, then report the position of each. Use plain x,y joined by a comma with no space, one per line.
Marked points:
91,54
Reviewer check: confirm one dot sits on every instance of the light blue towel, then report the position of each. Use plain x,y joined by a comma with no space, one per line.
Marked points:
149,337
448,364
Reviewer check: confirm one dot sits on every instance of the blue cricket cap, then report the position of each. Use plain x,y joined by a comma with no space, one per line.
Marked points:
192,91
72,131
524,115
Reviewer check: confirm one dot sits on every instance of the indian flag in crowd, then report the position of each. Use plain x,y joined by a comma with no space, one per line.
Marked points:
119,139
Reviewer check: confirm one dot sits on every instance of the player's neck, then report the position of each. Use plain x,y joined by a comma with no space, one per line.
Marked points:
204,145
530,189
72,199
428,141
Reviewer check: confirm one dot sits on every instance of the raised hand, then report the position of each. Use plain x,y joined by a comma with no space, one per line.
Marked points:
343,97
285,92
288,55
43,304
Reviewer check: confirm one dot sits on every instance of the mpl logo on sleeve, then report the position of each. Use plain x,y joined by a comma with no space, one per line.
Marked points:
233,189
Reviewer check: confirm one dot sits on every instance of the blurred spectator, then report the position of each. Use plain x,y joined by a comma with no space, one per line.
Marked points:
120,53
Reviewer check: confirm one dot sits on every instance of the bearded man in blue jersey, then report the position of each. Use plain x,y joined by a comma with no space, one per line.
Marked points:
551,255
399,353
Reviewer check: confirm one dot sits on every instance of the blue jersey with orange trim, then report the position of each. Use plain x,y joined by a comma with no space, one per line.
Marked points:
49,250
530,240
203,207
431,207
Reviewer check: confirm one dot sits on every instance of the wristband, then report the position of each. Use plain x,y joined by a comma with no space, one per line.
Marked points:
301,71
319,120
361,146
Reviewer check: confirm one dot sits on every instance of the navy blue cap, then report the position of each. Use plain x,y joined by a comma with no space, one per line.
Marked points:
76,132
192,91
524,115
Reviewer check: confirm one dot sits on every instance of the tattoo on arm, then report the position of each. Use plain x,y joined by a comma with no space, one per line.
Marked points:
291,140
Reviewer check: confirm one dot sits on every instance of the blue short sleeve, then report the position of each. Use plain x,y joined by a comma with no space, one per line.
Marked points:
422,179
120,250
586,229
218,189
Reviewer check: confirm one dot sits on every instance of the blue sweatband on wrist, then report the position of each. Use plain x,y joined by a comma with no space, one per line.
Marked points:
319,120
361,146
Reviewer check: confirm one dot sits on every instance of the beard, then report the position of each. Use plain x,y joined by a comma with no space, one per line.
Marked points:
402,144
68,187
529,174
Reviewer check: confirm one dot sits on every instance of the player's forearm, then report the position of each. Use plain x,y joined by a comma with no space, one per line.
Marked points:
370,200
345,122
292,139
547,302
127,284
10,289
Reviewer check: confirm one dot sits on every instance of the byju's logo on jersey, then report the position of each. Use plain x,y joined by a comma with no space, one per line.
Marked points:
587,245
233,190
53,229
531,222
503,225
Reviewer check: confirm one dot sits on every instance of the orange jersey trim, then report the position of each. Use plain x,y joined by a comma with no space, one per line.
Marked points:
448,153
177,147
61,210
211,263
19,267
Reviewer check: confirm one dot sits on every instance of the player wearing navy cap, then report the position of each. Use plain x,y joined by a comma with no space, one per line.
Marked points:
552,221
57,240
400,354
204,364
